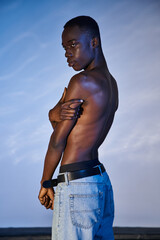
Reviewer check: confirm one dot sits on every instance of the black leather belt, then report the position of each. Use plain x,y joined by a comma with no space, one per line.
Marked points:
69,176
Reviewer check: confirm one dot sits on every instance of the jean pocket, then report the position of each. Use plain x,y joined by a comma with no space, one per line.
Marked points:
86,209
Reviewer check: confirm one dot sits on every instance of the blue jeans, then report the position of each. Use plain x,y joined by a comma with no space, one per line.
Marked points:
84,209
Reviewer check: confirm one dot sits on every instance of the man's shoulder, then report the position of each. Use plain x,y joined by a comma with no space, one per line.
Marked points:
81,85
85,80
81,77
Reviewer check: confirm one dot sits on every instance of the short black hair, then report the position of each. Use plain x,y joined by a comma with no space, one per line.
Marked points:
85,23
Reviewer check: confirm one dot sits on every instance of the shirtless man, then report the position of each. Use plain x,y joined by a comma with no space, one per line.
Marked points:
83,202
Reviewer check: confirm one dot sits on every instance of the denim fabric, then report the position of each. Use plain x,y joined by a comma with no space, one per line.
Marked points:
84,209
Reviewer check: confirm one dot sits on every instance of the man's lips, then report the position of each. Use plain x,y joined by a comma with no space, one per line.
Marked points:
70,63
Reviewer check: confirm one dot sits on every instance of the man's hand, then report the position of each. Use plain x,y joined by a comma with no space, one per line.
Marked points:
46,197
65,110
70,109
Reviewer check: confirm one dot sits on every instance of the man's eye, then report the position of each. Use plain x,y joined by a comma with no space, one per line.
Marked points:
73,45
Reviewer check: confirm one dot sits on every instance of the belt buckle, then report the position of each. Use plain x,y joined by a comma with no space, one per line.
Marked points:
66,178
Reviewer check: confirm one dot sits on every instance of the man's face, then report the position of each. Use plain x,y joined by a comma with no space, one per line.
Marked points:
78,48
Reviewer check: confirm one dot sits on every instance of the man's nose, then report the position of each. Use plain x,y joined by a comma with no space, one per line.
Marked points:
68,53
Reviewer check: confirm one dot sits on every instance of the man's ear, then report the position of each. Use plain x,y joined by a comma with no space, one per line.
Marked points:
95,42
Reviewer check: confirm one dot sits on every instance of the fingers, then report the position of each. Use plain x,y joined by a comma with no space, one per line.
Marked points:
70,114
42,200
49,199
48,202
75,105
51,196
75,100
46,197
71,104
71,109
42,194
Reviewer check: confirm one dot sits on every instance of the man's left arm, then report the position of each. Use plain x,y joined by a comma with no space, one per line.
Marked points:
57,143
53,156
56,147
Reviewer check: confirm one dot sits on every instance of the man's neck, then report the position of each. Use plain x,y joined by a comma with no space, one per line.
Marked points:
98,61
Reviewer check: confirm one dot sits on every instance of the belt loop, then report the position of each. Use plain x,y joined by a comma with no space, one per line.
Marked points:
99,166
66,178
